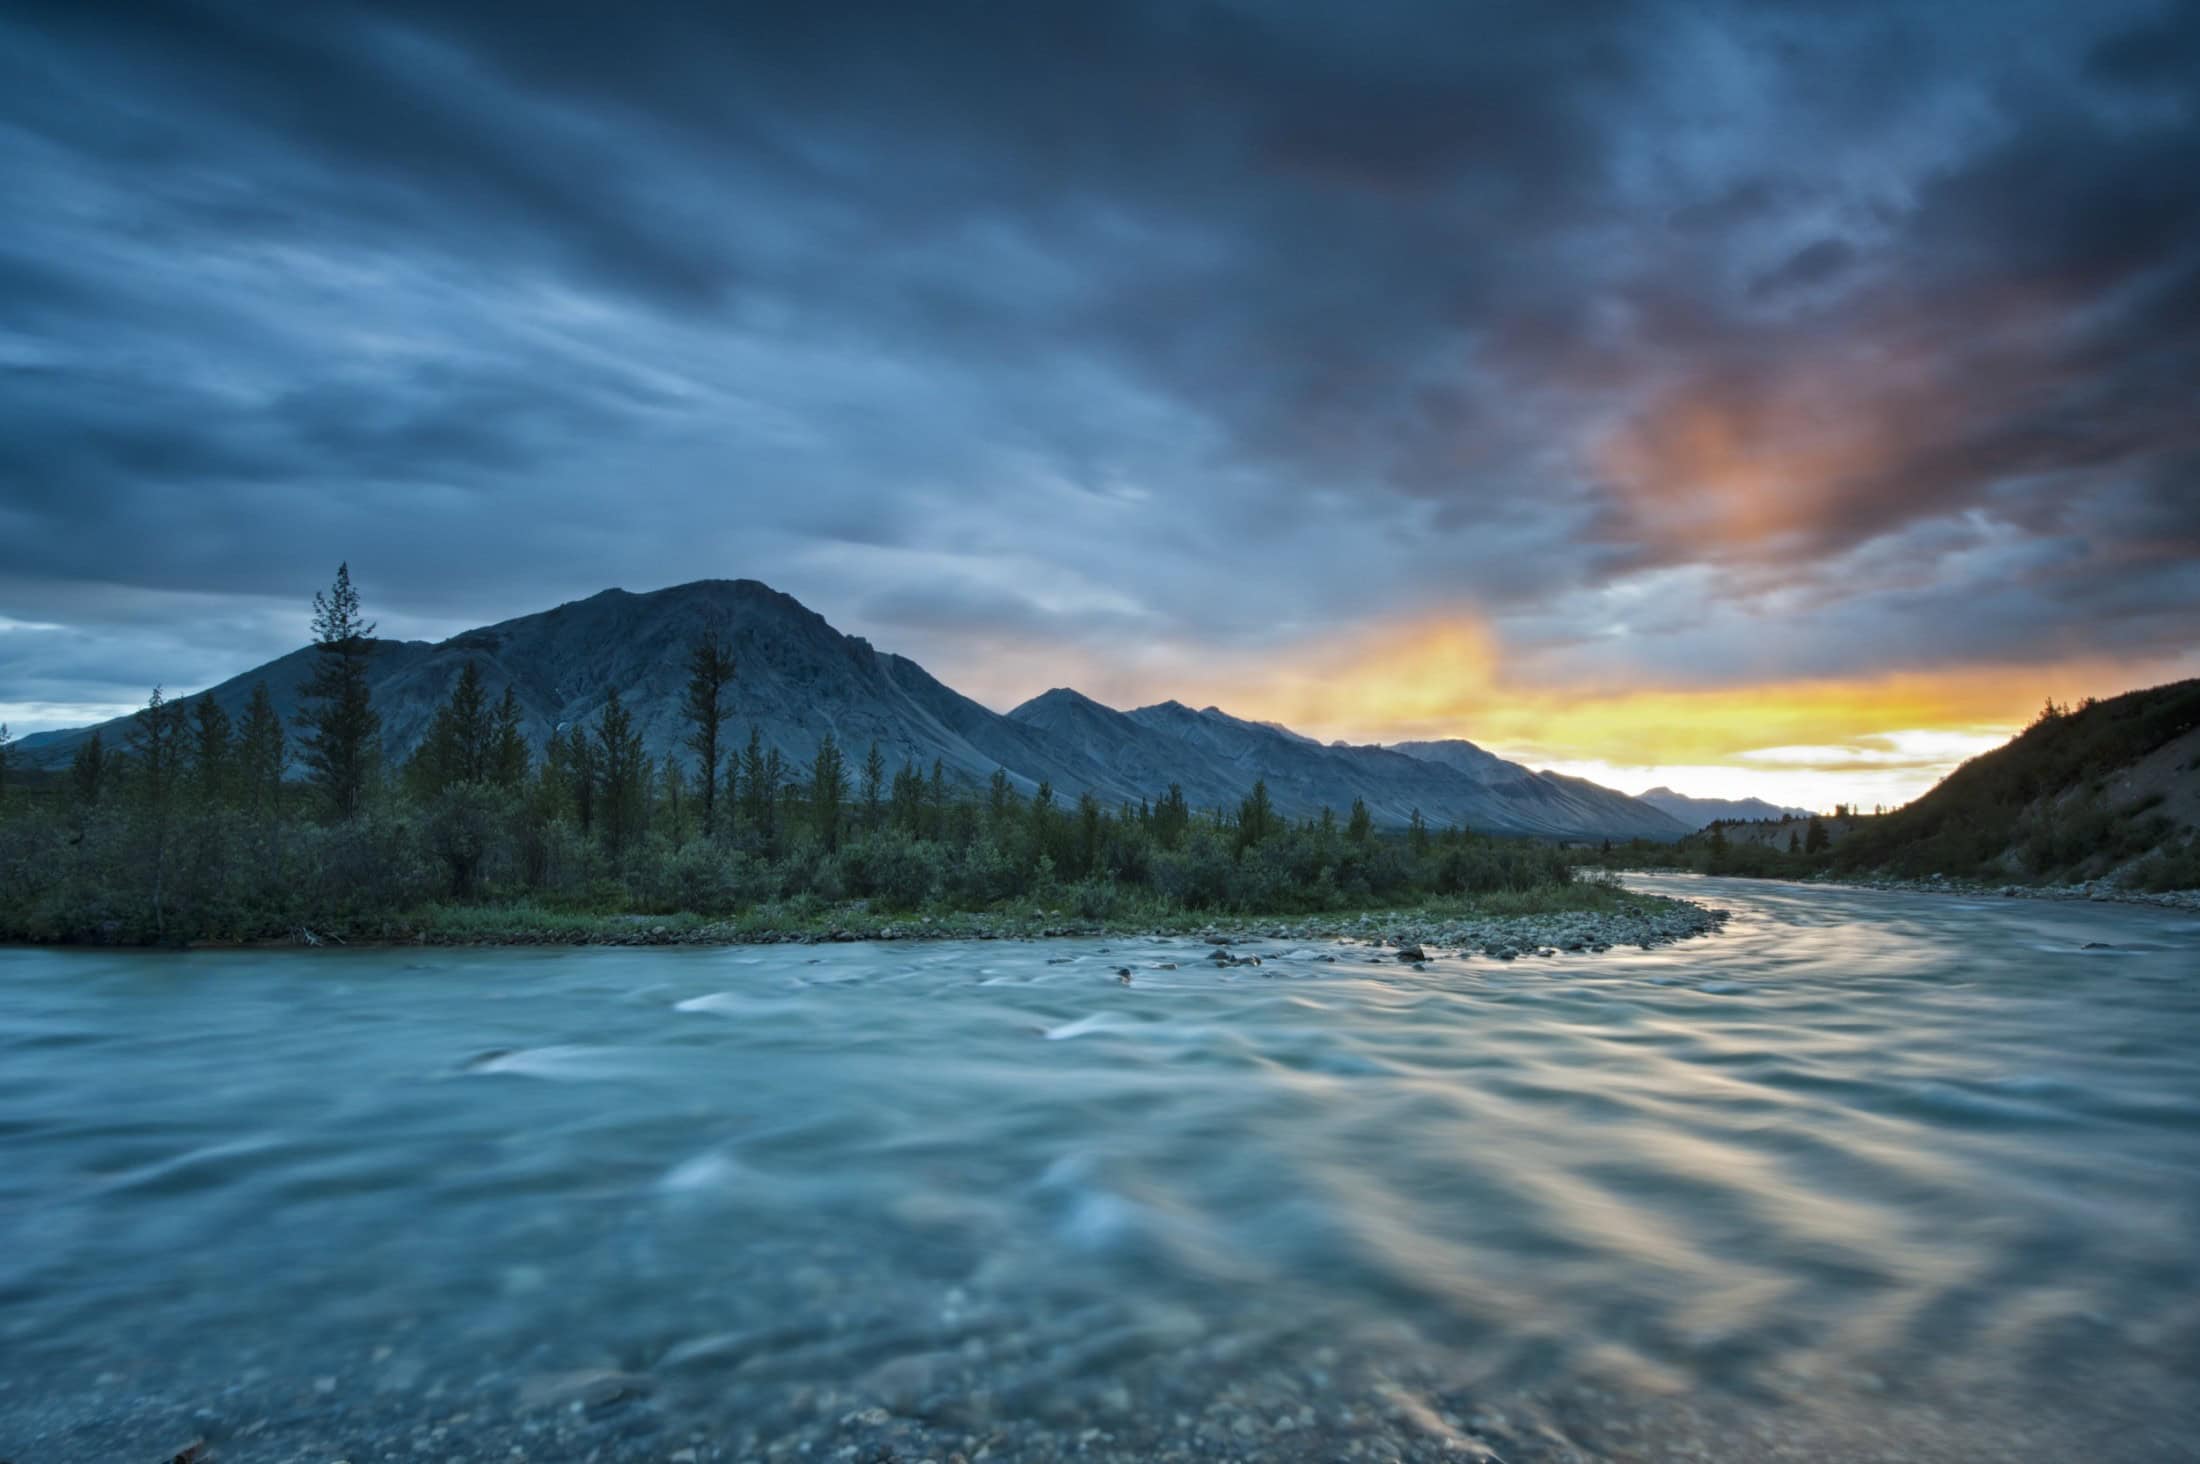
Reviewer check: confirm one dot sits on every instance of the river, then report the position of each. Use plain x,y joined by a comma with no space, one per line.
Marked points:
1867,1175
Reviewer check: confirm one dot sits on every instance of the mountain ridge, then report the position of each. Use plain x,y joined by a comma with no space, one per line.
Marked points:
1700,813
798,677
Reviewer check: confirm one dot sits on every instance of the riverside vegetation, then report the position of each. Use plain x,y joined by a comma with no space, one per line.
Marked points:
193,831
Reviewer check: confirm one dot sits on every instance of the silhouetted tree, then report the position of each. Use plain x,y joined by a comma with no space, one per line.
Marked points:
260,755
570,769
156,742
672,798
508,758
874,785
460,741
1360,827
1815,837
1171,817
622,780
1042,819
1088,834
157,736
775,794
710,668
828,790
756,792
1417,834
88,771
1256,815
336,709
211,753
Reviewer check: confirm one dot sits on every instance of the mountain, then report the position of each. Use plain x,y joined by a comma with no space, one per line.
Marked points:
1216,757
2108,789
797,677
1699,813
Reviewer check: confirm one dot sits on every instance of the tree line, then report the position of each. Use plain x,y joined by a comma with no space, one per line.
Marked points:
191,828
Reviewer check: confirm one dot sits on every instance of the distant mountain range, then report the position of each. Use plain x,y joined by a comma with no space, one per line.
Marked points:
797,678
1700,813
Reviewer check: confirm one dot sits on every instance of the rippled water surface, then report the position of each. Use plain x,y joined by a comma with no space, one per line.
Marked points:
1868,1175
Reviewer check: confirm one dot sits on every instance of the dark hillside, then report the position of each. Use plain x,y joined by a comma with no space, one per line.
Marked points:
2104,787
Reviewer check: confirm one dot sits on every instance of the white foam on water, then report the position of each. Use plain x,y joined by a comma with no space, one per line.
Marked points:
716,1001
1084,1026
712,1170
561,1062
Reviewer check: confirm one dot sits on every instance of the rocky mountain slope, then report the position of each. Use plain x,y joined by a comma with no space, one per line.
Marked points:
2110,789
797,678
1698,813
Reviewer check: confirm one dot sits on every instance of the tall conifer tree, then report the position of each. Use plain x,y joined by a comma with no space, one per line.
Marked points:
828,790
710,669
211,752
336,709
260,752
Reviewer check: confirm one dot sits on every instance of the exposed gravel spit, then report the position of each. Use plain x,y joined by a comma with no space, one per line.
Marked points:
1646,922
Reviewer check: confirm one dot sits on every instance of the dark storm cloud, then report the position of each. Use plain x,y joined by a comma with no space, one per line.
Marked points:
912,309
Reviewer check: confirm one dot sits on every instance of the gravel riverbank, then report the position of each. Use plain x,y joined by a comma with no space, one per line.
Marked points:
2098,890
1633,920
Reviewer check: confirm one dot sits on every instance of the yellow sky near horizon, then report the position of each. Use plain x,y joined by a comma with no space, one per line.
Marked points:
1809,742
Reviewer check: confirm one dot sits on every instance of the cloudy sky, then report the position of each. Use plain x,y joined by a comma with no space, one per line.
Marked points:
1780,397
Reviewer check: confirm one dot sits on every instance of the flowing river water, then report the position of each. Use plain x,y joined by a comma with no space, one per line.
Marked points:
1866,1176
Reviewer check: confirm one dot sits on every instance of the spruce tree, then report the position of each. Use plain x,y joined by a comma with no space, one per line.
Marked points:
211,753
459,747
88,771
1417,834
756,790
336,708
775,792
157,751
710,668
1042,819
1360,827
1256,815
621,773
672,798
874,785
508,757
908,800
1815,837
1088,833
157,737
573,764
828,789
259,760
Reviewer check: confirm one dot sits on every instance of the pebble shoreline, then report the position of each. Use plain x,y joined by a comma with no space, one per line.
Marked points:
2095,890
1648,922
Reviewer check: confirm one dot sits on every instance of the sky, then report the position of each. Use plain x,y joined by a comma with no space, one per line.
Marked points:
1776,398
